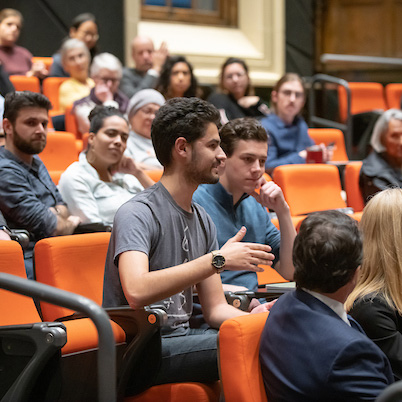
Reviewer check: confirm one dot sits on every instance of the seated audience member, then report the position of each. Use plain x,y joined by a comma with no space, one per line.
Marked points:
106,71
382,168
376,302
75,58
177,79
2,136
148,64
234,202
141,113
310,349
5,84
16,60
84,28
103,179
237,95
163,244
28,198
288,135
4,230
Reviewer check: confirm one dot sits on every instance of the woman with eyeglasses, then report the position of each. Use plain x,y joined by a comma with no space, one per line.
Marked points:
83,27
288,135
236,97
104,178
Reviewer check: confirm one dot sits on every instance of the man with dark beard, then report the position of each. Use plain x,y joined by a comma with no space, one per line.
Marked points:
28,198
163,244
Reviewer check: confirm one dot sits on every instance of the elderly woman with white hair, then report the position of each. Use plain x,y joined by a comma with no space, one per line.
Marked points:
75,58
106,71
141,113
383,167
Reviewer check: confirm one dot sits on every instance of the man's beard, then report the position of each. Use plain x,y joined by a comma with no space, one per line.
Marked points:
198,176
27,147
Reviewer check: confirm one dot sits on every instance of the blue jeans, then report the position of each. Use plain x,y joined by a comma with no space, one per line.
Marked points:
191,357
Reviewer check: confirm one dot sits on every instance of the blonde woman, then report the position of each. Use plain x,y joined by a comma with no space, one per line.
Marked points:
376,301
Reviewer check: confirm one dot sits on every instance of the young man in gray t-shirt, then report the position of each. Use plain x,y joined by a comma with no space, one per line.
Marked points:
162,244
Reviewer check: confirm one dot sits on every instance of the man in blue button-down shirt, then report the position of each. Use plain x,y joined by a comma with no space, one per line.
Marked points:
28,197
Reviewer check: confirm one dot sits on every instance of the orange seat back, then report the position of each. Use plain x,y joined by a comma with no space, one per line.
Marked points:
155,174
16,309
60,151
365,96
351,179
239,364
71,122
74,263
47,61
327,136
393,95
24,83
50,88
310,187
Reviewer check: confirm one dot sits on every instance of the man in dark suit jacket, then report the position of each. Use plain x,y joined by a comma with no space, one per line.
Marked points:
310,349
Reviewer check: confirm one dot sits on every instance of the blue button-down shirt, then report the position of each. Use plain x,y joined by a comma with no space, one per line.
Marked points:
26,193
229,218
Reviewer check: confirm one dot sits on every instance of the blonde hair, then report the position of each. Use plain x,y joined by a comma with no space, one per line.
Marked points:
381,271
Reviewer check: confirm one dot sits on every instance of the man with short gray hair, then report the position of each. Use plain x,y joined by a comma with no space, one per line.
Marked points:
106,71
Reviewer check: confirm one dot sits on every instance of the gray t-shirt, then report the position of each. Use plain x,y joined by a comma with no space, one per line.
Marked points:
154,224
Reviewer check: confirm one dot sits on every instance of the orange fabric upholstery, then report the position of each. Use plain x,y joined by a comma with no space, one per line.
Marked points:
47,61
74,263
60,151
179,392
295,219
328,135
23,83
155,175
50,88
393,95
239,343
269,276
365,96
16,309
310,187
71,123
82,335
351,179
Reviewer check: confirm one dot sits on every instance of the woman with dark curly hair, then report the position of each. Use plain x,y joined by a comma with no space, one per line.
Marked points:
177,79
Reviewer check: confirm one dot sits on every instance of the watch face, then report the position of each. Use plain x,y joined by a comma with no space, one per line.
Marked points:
219,261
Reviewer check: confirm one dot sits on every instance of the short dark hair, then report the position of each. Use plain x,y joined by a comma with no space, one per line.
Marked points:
81,18
327,251
99,114
180,117
15,101
244,128
163,83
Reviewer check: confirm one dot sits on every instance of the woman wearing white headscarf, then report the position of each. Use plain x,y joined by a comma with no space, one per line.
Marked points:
383,167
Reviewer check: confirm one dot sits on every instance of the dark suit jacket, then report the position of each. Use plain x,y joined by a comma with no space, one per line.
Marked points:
308,353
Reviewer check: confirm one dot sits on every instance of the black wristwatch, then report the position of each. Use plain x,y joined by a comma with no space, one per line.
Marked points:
218,261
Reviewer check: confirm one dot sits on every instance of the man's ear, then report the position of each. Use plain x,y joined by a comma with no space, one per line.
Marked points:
274,96
181,147
7,126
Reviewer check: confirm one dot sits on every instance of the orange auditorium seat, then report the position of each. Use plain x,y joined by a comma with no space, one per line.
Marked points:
393,95
365,97
330,135
23,83
351,178
47,61
50,88
239,344
155,174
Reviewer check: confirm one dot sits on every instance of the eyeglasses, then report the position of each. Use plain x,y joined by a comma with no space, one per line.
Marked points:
231,76
288,93
91,35
107,79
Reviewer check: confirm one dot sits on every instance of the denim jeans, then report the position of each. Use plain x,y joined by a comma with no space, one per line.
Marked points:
191,357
